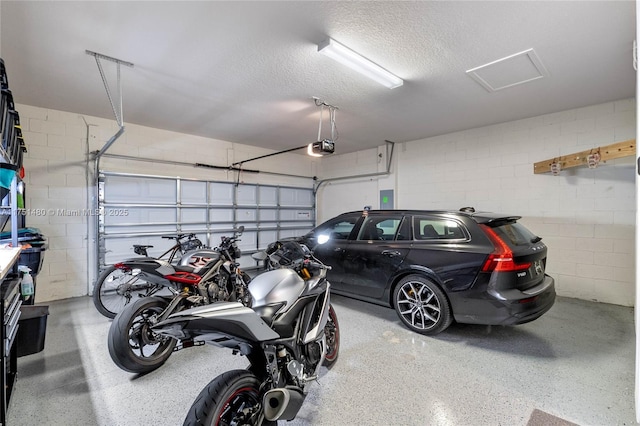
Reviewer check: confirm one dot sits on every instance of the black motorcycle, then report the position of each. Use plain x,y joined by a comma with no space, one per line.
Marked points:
288,333
133,345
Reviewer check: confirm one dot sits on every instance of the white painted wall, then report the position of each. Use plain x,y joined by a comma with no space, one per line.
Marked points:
585,216
56,178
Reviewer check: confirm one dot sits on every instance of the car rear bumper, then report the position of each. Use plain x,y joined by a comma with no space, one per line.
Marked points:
507,307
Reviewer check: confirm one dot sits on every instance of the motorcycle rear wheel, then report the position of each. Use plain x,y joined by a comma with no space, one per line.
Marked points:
225,399
132,345
115,289
332,335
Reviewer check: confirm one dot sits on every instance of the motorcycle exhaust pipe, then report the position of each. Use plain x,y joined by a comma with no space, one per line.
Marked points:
282,403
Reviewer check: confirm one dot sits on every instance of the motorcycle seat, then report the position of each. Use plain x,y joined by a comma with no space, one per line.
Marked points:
140,249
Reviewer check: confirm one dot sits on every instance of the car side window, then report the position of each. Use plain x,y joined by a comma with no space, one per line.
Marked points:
383,228
338,229
430,228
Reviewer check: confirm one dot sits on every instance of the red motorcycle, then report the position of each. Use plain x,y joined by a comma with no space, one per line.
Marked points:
133,346
116,287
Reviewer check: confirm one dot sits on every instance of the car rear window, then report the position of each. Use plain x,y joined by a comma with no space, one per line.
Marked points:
516,234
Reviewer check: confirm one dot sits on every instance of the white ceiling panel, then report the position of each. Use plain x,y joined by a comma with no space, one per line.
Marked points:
246,72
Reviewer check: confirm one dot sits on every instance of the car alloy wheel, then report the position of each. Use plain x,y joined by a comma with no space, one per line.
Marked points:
421,305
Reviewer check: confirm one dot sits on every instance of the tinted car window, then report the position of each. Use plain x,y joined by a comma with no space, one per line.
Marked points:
338,229
430,228
515,234
379,228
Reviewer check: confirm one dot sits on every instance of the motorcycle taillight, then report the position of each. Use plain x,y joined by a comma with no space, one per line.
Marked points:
122,267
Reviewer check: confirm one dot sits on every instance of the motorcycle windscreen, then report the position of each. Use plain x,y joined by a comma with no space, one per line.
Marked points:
221,320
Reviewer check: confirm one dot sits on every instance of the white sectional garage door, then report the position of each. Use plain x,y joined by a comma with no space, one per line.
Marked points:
138,209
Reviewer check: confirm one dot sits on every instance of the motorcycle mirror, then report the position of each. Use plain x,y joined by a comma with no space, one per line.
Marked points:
323,238
240,229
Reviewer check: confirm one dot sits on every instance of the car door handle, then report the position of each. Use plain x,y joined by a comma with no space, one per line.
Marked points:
338,250
391,253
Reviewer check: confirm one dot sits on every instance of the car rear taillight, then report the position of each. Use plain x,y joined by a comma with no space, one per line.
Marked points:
501,260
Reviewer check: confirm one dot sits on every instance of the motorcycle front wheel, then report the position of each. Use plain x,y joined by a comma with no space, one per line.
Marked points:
232,398
114,289
332,335
133,346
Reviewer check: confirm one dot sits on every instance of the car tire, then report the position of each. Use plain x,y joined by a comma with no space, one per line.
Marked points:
421,305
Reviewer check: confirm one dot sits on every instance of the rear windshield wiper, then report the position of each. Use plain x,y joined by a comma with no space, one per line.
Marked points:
536,239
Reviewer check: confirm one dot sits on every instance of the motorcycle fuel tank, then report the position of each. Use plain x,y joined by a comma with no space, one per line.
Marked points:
199,257
277,286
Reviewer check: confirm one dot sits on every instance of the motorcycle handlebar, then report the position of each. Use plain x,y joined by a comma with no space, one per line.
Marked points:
316,264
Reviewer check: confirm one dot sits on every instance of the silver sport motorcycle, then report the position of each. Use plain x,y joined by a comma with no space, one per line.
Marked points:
290,330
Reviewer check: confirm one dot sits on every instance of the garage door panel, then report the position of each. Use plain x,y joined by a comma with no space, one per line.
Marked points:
193,216
293,215
265,238
149,228
124,189
154,205
248,241
296,197
221,215
195,227
142,215
246,194
247,215
268,215
268,196
193,192
221,193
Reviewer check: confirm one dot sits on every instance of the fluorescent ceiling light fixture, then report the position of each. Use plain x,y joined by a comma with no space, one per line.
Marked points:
357,62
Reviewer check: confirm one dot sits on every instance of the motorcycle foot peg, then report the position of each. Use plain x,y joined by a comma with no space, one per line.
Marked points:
282,403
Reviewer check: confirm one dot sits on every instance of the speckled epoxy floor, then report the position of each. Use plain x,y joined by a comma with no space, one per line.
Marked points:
576,362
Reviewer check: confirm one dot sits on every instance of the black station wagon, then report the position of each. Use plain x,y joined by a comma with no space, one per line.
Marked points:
434,267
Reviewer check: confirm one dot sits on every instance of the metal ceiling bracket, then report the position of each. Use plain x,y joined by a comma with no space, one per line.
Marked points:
117,109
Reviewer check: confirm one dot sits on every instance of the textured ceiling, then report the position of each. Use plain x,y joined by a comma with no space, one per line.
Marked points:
246,71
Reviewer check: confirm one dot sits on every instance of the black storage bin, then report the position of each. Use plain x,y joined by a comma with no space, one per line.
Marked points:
32,328
33,257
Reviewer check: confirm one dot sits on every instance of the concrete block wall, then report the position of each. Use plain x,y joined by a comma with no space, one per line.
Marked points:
585,216
59,183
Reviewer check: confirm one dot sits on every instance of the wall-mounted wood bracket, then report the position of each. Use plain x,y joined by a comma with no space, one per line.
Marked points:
608,152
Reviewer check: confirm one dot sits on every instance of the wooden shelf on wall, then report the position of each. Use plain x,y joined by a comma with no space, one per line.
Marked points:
608,152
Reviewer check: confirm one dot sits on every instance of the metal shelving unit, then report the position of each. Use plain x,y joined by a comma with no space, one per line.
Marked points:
12,148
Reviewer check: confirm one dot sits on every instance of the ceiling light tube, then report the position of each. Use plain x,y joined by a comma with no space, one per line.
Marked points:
355,61
310,151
